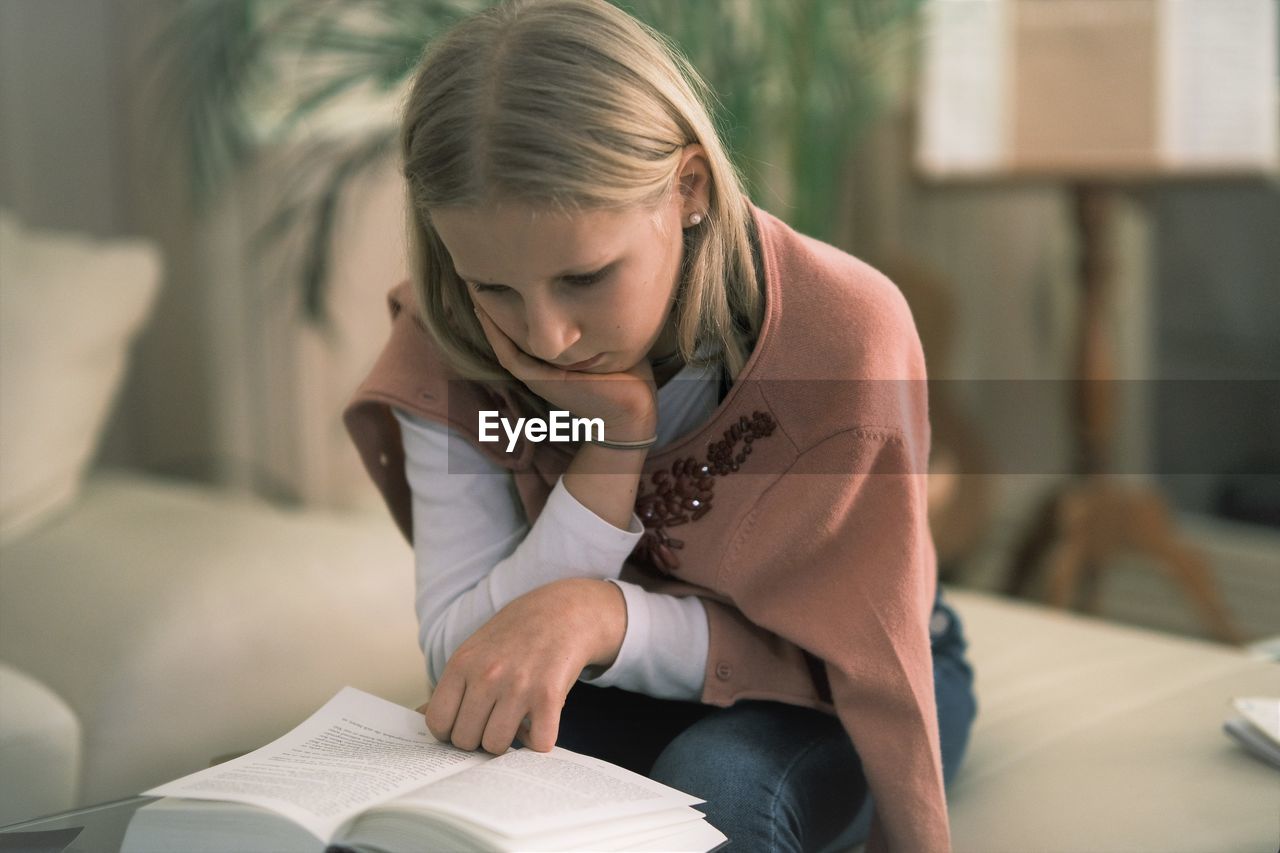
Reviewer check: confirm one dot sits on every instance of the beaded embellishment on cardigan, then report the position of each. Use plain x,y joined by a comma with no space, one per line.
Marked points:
685,492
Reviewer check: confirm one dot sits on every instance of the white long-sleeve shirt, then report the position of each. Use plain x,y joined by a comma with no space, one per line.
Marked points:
474,551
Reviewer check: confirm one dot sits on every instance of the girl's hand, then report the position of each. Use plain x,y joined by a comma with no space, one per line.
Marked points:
627,402
522,663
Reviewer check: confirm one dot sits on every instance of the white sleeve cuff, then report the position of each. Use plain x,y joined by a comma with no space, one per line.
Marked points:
574,512
664,649
569,540
566,541
635,641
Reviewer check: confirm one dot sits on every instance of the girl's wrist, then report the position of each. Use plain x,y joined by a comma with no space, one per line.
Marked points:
603,609
618,444
641,429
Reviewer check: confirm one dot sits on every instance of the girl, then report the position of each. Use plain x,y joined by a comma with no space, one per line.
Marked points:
732,589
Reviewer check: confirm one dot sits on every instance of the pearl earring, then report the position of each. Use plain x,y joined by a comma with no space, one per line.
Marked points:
695,219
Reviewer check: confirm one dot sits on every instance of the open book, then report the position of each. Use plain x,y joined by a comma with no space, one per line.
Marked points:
1256,727
365,774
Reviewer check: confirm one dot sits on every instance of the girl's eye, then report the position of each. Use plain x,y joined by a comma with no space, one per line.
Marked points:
585,280
576,281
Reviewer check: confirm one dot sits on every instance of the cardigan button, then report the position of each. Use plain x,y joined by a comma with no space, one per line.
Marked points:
939,623
383,460
723,671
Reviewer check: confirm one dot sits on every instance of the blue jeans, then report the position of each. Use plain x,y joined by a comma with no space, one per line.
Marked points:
775,776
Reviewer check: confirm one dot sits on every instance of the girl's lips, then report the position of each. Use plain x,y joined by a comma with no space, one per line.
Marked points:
582,365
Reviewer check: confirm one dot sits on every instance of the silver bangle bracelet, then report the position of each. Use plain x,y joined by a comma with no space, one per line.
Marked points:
625,445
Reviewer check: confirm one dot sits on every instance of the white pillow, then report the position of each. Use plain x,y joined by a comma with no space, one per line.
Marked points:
69,308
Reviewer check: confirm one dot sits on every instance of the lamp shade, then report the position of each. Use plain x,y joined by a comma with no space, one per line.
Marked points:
1098,88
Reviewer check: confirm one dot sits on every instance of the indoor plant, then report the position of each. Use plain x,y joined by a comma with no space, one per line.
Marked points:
798,80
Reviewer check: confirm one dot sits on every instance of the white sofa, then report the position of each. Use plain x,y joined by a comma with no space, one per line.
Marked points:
1095,737
240,620
180,625
150,627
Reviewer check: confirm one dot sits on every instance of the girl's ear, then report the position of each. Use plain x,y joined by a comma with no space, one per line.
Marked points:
695,180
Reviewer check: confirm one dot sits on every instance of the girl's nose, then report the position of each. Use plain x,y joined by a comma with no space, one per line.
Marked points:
551,334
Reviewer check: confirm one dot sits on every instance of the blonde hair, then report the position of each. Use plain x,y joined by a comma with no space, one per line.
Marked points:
575,105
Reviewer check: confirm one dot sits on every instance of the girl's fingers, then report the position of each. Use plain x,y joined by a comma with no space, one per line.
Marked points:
493,334
544,729
503,725
583,393
522,731
522,366
442,707
508,353
473,719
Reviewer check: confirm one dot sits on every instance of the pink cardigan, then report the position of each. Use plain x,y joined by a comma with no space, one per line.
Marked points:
797,512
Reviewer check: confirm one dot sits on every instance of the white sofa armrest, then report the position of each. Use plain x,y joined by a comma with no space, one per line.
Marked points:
39,748
182,625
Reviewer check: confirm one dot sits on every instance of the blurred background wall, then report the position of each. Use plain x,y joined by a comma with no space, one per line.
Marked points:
227,384
70,159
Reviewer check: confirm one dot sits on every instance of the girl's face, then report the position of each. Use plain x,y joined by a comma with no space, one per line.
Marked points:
596,286
569,288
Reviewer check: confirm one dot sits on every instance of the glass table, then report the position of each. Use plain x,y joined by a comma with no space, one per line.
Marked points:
93,829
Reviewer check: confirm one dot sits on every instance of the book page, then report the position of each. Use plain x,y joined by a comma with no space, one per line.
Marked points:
356,751
525,792
695,837
389,826
1263,714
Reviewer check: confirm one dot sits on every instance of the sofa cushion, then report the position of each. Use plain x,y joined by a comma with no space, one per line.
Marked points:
1097,736
69,308
39,748
182,624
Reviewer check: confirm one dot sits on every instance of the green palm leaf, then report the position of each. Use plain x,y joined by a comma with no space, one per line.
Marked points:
797,82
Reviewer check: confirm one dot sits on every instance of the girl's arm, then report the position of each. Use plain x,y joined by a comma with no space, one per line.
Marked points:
475,553
604,480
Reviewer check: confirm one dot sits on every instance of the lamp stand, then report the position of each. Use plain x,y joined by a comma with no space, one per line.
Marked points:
1093,516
